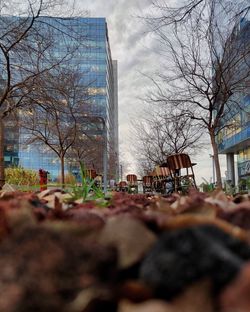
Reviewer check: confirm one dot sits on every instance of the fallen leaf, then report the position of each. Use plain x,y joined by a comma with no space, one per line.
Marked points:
235,297
131,238
147,306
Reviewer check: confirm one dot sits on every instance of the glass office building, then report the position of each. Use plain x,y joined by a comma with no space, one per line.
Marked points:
89,41
235,138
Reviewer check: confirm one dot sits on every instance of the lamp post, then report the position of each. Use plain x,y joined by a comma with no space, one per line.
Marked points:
105,157
212,156
105,151
121,171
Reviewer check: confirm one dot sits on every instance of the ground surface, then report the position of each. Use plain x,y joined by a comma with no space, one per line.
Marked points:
126,253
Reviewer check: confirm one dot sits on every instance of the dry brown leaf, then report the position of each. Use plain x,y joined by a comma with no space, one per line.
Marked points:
147,306
135,291
196,298
186,220
21,217
85,297
163,205
235,297
43,193
224,205
131,238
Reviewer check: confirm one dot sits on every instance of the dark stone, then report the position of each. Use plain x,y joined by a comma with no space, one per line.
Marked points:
184,256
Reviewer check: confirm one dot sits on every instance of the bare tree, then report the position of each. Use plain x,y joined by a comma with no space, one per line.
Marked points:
88,150
184,10
161,133
56,111
204,76
88,146
26,45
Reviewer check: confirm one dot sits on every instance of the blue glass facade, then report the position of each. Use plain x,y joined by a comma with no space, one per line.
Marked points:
11,148
235,139
88,39
230,140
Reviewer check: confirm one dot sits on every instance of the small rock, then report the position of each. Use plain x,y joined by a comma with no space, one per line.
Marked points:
182,257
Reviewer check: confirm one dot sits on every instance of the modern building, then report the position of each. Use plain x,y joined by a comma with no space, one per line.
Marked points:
89,39
234,139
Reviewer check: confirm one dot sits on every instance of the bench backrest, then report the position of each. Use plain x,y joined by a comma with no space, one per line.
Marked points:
162,171
147,180
179,161
131,178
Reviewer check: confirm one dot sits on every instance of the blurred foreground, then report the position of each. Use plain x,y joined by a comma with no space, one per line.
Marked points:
125,253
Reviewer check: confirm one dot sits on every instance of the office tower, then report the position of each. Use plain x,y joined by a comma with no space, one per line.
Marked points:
93,58
234,138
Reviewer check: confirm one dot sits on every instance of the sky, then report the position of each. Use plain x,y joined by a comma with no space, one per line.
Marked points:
135,49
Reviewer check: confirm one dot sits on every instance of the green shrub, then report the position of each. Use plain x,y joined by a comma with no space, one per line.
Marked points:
244,185
87,189
21,176
207,187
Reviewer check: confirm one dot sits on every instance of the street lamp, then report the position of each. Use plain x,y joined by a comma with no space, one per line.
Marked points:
121,171
105,151
105,157
212,156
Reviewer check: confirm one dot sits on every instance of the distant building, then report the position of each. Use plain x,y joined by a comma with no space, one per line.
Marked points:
93,58
235,139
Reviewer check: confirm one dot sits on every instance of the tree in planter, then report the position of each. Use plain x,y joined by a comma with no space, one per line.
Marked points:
204,78
161,133
26,42
55,112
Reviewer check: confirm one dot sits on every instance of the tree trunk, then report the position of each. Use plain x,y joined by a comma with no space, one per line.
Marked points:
62,171
216,160
2,176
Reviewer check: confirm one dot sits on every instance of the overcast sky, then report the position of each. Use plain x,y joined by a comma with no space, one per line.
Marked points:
135,51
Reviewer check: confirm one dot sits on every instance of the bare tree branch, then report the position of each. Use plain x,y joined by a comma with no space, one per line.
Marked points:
208,63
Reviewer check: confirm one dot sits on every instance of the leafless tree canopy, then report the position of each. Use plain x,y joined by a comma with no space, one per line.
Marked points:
26,46
165,14
26,51
87,149
208,63
161,133
56,111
